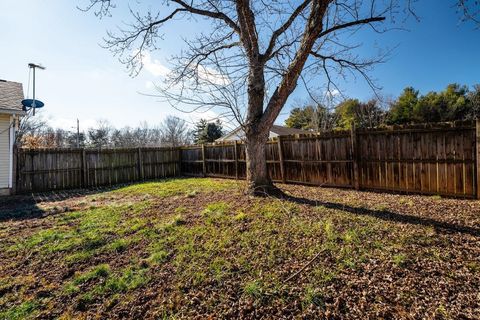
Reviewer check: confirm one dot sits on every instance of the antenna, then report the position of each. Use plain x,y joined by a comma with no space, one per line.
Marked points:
32,103
33,65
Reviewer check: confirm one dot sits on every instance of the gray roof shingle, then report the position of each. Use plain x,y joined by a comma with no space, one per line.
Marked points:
285,131
11,95
237,133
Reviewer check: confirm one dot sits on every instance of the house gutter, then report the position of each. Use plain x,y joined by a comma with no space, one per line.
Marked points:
12,111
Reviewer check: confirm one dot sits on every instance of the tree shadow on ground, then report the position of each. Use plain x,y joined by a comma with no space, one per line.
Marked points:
439,226
19,208
25,207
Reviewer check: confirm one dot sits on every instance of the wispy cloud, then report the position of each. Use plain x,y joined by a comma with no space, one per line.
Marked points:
212,76
208,115
155,67
334,93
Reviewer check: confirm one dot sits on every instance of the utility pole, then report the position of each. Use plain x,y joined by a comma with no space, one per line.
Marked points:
34,66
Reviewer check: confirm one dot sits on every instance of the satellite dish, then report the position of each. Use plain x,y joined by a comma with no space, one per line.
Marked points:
28,104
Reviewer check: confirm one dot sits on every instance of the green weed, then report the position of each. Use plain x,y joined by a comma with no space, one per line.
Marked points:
158,257
313,296
253,289
100,271
216,212
399,259
23,311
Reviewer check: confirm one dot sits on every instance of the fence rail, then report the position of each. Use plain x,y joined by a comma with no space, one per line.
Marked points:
430,159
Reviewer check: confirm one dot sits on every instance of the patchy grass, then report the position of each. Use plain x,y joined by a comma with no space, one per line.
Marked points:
24,310
175,187
200,248
253,289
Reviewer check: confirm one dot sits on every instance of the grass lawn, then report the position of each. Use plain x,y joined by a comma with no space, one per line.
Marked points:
190,248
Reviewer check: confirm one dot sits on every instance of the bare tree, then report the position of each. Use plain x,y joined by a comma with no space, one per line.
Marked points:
370,114
174,132
253,56
30,125
470,9
99,137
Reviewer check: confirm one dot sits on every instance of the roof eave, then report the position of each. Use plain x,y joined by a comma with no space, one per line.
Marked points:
12,111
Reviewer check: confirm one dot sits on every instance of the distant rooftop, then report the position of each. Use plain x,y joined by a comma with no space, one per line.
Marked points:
238,134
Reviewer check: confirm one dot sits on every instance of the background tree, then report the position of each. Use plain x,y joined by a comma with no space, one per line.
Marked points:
174,132
30,125
301,118
346,112
71,140
311,117
324,119
456,102
447,105
207,131
199,129
254,55
39,134
122,138
473,98
99,137
402,110
363,114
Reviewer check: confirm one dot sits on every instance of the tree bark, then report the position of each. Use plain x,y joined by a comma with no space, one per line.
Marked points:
259,182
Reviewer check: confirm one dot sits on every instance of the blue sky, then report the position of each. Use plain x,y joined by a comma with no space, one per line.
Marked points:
85,81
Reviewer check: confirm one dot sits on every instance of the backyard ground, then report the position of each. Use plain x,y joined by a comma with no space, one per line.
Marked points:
200,248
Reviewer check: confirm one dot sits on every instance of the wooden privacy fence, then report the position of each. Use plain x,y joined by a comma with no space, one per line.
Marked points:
318,160
429,158
57,169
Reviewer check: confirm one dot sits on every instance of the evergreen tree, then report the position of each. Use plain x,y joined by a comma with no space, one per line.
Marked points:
447,105
301,118
402,110
363,114
199,130
453,103
205,132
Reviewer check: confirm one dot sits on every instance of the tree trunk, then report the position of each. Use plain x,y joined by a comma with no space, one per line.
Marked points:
259,182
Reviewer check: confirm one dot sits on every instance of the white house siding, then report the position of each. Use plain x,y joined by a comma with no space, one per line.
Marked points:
4,151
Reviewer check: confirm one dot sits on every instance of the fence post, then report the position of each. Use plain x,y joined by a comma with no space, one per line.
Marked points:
235,152
477,158
204,166
179,161
280,156
140,164
84,168
355,155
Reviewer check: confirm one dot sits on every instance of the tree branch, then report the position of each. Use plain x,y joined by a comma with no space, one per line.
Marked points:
289,81
283,28
211,14
248,34
351,24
